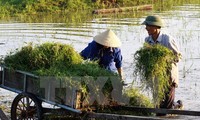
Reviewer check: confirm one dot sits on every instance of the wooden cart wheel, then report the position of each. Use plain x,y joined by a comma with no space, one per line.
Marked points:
26,106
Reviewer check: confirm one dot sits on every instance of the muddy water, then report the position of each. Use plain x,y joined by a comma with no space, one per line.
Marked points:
183,23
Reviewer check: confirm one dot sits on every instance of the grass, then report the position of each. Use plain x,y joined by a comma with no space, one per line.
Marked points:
61,60
17,7
73,12
153,65
53,59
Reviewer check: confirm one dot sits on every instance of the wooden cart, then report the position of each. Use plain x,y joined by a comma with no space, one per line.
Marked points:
28,104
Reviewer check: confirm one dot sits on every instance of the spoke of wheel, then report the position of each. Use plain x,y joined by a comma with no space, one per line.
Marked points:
27,101
31,102
19,107
26,109
22,102
18,113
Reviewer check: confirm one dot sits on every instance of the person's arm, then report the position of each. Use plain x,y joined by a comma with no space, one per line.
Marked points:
120,72
118,62
173,46
87,53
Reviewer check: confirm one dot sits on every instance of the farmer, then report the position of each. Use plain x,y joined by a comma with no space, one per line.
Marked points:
105,49
156,36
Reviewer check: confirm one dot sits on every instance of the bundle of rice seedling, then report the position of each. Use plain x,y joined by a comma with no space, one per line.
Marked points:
53,59
57,60
44,56
153,65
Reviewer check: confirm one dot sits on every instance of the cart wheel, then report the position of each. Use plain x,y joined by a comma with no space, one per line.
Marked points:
26,106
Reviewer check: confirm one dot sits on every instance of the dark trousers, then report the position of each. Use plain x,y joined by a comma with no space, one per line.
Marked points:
168,100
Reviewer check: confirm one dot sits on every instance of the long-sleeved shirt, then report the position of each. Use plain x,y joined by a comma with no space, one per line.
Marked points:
109,58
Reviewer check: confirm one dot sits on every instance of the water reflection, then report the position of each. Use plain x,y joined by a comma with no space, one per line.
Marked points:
182,23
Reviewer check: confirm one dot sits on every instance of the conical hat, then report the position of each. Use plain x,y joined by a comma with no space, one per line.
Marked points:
108,38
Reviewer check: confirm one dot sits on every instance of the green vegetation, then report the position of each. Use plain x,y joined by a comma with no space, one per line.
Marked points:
153,65
52,6
16,7
138,99
74,12
60,60
54,59
164,5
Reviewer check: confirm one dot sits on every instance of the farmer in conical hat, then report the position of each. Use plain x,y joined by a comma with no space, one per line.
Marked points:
105,49
156,36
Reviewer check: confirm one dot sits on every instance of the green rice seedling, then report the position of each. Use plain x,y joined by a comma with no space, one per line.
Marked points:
31,58
63,63
20,59
153,65
56,60
134,98
53,59
137,98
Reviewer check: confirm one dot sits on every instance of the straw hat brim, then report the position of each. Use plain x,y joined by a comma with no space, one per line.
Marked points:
108,38
154,21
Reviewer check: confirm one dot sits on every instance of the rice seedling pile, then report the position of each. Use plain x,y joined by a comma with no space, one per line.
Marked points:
61,60
153,65
52,59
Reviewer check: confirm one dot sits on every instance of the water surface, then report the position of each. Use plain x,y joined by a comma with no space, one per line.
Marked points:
183,23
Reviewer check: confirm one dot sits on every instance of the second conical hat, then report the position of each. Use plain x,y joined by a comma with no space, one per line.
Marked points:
108,38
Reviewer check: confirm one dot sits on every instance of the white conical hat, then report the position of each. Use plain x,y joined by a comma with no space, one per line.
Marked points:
108,38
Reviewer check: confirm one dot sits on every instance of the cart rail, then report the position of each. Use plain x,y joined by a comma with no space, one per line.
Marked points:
158,110
24,82
3,116
27,85
110,116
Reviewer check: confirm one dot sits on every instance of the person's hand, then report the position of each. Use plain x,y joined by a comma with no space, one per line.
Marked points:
121,77
124,83
175,85
178,58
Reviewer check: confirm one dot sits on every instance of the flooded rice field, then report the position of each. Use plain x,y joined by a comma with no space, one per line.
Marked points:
183,23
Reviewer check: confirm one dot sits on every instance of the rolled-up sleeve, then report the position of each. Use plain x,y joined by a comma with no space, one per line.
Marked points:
87,53
118,58
172,45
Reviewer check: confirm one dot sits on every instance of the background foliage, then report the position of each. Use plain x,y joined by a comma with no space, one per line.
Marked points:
13,7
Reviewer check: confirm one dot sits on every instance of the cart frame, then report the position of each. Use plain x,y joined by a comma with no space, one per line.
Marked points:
19,82
28,103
